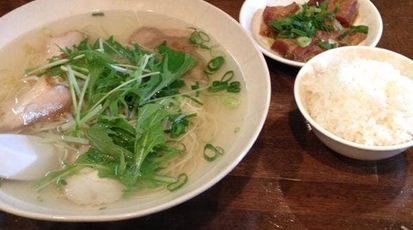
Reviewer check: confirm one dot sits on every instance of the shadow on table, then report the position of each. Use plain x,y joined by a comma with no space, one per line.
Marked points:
330,188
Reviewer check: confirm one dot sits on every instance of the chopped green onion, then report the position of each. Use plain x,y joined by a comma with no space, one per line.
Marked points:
180,181
303,41
179,125
214,65
354,29
234,87
199,38
225,84
211,152
194,99
218,86
304,23
230,101
98,14
326,45
228,76
299,32
237,129
195,88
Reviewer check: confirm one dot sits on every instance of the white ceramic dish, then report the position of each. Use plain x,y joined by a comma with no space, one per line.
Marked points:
204,16
331,57
250,18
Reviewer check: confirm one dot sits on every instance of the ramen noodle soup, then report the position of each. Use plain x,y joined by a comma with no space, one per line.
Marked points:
172,106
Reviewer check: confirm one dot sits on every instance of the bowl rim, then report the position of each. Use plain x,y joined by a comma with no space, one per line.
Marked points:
314,124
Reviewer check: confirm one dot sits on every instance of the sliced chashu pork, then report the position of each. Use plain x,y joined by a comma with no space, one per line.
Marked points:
273,13
347,9
150,37
67,40
44,101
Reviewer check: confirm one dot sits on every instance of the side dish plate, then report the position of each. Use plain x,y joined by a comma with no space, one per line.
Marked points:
250,18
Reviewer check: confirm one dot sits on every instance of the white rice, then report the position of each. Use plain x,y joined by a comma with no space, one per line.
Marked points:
363,101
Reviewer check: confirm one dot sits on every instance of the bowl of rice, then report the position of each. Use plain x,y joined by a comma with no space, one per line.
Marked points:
358,101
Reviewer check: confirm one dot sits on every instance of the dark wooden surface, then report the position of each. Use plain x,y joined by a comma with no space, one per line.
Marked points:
289,180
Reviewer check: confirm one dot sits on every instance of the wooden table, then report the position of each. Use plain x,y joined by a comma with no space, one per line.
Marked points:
289,180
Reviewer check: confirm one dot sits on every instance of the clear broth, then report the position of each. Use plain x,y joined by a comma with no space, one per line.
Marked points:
120,24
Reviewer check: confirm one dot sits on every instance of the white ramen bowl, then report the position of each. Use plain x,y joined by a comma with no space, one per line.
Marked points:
19,201
332,57
251,18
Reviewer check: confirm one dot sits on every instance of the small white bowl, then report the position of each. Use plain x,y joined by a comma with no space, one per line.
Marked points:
331,57
250,18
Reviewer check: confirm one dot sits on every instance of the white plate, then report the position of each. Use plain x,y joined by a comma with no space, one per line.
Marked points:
229,34
251,18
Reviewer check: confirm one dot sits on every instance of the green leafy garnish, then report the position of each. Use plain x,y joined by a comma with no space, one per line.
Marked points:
305,22
126,105
354,29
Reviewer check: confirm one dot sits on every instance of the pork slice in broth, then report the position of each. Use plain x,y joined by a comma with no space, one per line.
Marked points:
149,38
44,101
67,40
